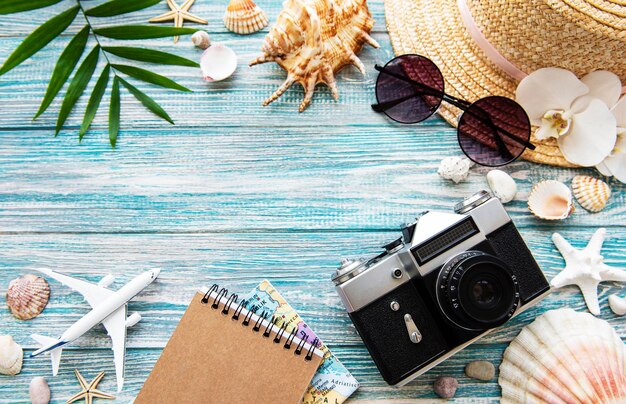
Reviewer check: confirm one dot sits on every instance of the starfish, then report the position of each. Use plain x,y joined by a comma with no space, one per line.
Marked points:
179,14
89,390
585,268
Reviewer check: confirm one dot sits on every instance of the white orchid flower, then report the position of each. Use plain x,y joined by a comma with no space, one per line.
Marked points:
615,164
575,112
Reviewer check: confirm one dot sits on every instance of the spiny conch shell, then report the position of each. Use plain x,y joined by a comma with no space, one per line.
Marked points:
564,357
455,168
502,185
39,391
218,63
11,355
313,40
591,193
27,296
550,200
244,17
201,39
617,305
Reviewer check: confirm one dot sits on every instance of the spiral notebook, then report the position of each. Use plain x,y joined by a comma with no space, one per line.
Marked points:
222,352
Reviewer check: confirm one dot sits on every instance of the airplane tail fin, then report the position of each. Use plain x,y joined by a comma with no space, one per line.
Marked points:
46,344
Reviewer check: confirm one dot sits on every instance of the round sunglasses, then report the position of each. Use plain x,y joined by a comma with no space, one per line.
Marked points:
492,131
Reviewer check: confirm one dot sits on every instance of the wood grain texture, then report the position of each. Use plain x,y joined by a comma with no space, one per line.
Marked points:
236,193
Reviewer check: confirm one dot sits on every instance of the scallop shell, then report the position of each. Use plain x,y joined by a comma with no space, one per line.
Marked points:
201,39
551,200
27,296
39,391
564,357
244,17
217,63
502,185
313,40
11,355
590,192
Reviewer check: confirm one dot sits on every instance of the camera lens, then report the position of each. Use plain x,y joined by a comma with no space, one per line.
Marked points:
477,291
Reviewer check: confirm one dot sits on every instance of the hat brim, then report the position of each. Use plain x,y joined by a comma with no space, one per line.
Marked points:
434,28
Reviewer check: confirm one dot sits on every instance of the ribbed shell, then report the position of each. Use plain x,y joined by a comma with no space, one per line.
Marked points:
244,17
550,200
564,357
313,40
591,193
27,296
11,355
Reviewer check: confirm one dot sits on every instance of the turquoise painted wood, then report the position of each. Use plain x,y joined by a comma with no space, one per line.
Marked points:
235,193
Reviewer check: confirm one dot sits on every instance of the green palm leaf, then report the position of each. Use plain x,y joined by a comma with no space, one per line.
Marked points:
77,86
94,101
146,101
149,77
40,38
16,6
141,31
114,112
64,67
117,7
149,55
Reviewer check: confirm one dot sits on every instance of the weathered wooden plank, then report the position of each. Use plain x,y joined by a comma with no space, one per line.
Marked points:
299,264
213,11
374,177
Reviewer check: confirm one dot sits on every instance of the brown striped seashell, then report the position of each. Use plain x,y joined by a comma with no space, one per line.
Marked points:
27,296
313,40
591,193
11,355
244,17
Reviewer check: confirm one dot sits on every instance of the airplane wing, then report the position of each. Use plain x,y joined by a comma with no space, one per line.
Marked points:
93,293
115,325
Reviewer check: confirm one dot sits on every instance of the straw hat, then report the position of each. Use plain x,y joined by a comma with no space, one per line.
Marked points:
484,47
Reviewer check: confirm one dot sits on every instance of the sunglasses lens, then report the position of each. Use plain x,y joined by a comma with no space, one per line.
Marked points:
411,88
494,131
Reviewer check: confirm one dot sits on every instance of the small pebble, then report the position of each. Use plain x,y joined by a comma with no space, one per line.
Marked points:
39,391
481,370
445,386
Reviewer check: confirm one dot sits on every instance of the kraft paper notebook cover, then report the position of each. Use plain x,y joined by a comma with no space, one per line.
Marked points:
222,353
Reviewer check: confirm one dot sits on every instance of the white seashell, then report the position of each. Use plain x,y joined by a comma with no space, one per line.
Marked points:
218,63
39,391
244,17
27,296
313,40
201,39
455,168
564,357
11,355
617,304
550,200
502,185
590,192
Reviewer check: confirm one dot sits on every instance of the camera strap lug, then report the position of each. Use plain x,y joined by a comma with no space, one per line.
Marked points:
414,334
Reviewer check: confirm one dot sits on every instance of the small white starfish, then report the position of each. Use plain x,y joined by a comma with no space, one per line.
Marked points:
585,268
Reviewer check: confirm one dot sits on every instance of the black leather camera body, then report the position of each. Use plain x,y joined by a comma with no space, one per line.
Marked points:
449,280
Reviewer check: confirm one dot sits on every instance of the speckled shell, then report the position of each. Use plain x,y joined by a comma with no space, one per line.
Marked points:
551,200
11,355
564,356
27,296
244,17
591,193
313,40
39,391
201,39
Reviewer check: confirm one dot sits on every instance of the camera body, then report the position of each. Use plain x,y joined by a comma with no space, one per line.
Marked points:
450,279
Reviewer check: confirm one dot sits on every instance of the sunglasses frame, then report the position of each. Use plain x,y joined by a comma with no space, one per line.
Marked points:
463,105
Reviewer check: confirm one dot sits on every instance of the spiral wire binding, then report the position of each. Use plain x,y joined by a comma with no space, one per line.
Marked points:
241,305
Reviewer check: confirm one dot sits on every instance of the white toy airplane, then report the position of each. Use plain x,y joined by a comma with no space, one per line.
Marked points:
108,308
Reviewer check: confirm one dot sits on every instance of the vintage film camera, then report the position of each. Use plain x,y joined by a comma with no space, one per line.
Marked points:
449,280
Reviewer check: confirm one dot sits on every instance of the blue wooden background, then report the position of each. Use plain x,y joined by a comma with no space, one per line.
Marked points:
235,193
